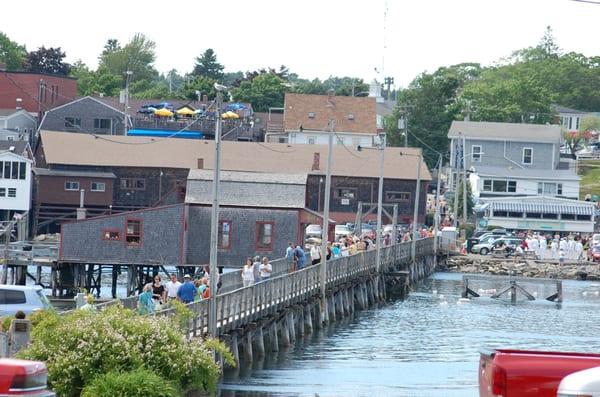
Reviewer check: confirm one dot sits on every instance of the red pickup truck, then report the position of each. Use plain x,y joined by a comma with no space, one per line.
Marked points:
523,373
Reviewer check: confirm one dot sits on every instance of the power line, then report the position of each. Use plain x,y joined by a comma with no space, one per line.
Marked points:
587,1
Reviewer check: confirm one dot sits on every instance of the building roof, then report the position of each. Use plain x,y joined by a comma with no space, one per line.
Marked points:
137,104
8,112
386,107
505,131
126,151
20,147
541,204
351,114
88,98
248,189
527,173
563,109
83,174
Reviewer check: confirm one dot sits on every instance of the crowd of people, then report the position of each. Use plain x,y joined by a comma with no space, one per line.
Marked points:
157,294
570,247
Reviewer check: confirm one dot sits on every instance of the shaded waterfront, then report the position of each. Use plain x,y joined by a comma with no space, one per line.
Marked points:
425,346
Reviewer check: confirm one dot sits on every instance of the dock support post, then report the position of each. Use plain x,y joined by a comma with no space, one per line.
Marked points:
308,319
273,337
290,325
247,345
234,349
258,342
513,293
38,275
113,287
284,331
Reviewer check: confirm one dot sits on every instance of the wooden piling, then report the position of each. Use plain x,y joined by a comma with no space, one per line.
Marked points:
247,346
308,320
273,337
284,332
258,342
291,326
233,346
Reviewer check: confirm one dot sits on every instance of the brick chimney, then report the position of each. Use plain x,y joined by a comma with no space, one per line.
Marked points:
200,164
316,160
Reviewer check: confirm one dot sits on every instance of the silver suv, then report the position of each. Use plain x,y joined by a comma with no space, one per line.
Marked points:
21,297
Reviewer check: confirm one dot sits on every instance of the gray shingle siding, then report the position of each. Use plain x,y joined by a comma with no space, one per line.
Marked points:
500,153
243,233
162,238
87,110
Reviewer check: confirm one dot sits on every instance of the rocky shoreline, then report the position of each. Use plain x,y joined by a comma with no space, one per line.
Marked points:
524,268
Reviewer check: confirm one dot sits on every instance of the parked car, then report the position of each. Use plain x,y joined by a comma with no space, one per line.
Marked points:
525,373
487,237
21,297
595,239
584,383
24,378
313,230
594,253
342,231
487,247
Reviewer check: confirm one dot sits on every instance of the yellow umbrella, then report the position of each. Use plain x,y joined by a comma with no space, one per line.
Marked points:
185,112
163,112
230,115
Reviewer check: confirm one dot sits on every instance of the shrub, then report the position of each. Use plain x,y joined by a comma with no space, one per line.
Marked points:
83,345
138,383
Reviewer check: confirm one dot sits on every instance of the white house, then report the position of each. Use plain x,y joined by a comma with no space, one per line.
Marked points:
15,178
306,120
569,119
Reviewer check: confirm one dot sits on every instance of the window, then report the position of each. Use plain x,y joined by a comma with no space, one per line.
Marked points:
133,183
10,138
583,218
133,231
312,140
567,216
515,215
9,297
351,116
549,216
311,115
527,155
72,122
102,124
224,238
397,196
487,185
98,187
512,186
264,236
12,192
499,186
550,188
536,215
7,170
344,193
476,153
2,192
71,185
111,235
501,214
576,123
22,170
15,170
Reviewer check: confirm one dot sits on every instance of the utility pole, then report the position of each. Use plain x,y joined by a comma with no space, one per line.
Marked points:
413,251
325,228
436,219
464,182
214,220
389,81
378,234
127,77
457,171
404,111
170,81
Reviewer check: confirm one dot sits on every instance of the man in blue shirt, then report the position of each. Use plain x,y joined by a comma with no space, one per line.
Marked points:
300,257
187,291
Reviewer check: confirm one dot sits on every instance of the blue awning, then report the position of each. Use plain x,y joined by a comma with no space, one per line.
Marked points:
166,134
549,208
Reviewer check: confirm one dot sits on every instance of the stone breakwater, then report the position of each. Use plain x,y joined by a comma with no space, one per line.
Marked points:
587,271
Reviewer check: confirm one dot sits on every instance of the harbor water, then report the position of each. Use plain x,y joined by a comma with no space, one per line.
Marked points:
425,346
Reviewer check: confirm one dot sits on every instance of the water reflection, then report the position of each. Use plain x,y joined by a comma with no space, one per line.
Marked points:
425,346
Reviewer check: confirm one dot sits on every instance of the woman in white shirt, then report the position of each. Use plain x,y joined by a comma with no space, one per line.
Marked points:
315,254
265,269
248,273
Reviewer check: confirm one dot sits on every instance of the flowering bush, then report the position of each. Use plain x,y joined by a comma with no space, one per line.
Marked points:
83,345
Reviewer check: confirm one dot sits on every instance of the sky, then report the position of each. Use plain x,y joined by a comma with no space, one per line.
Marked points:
313,38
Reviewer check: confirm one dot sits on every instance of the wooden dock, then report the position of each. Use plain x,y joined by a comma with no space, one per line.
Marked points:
511,286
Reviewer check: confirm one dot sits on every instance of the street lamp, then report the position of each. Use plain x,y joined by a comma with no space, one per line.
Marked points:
214,220
128,75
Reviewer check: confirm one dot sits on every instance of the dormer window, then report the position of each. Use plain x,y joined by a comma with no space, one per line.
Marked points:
311,115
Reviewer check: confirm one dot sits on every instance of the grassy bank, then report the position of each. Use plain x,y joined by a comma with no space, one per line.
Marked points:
589,171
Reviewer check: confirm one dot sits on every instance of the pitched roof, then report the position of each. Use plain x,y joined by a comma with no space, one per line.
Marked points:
8,112
564,109
505,131
126,151
248,189
298,106
83,174
20,147
541,204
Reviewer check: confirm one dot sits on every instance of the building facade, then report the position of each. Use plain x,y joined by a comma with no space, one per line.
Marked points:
16,124
35,92
508,159
15,180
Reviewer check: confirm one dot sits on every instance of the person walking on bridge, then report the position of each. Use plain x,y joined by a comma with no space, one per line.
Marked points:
172,287
248,273
300,257
187,291
265,269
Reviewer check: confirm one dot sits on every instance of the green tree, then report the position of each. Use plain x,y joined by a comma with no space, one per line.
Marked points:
47,60
263,91
207,66
12,55
470,200
194,84
137,56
